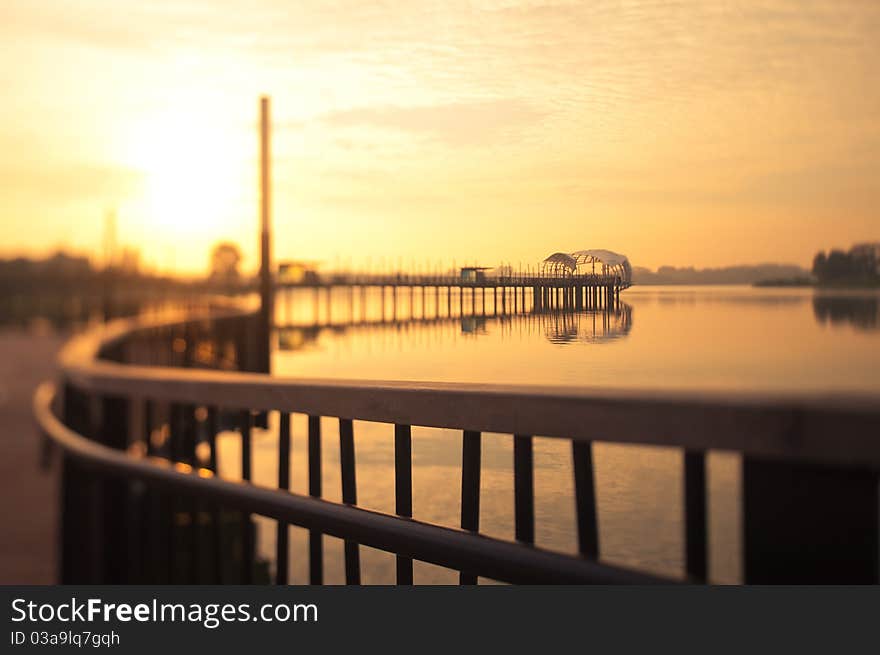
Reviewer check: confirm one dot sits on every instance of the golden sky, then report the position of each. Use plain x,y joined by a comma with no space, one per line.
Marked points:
420,132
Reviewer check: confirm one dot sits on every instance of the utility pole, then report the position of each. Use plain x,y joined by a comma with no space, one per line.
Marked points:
109,263
266,296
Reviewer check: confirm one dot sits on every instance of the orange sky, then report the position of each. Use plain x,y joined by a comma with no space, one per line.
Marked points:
424,132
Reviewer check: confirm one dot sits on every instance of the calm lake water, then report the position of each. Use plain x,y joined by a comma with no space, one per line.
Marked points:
725,338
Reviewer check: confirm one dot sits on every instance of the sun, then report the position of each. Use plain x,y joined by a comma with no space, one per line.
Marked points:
195,175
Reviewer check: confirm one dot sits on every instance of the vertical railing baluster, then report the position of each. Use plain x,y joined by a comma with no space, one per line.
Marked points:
403,492
160,511
283,483
193,505
198,541
695,515
247,534
470,491
169,506
144,499
213,427
316,550
97,547
71,520
213,424
524,488
246,425
349,496
73,491
166,510
114,415
174,440
585,498
148,426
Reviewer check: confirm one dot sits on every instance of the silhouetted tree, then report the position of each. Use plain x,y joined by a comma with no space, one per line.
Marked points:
225,259
819,262
861,265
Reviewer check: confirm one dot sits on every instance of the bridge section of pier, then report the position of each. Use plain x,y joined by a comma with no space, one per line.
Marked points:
563,281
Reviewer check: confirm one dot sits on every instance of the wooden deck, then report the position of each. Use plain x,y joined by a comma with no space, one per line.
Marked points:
28,495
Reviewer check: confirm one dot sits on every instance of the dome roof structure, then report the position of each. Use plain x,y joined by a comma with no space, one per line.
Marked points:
585,262
559,264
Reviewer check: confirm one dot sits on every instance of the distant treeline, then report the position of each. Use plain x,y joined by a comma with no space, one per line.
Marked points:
860,266
67,289
65,273
724,275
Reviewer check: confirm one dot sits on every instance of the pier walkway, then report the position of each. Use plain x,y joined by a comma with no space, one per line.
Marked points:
541,292
29,498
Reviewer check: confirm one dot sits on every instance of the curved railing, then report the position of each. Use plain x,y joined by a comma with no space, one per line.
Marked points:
139,504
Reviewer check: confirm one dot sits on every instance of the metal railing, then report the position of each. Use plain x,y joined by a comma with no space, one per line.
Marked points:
139,504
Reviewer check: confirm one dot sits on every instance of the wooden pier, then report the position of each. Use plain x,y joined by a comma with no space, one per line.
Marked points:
502,294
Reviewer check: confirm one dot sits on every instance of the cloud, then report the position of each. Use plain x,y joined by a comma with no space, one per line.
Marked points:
455,124
67,182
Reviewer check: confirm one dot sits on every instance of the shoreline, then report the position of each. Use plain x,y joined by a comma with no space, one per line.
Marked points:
816,285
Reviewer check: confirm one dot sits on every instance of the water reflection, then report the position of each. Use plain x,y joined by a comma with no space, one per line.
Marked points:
862,312
473,325
687,338
588,326
558,326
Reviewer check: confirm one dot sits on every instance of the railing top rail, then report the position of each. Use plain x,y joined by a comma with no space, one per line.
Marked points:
840,429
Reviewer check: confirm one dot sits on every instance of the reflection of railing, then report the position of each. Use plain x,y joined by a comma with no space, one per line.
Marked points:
142,501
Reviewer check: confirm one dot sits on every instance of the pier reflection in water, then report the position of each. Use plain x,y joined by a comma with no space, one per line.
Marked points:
693,338
559,326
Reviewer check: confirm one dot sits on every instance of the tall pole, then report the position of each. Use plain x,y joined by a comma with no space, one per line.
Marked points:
266,296
109,264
